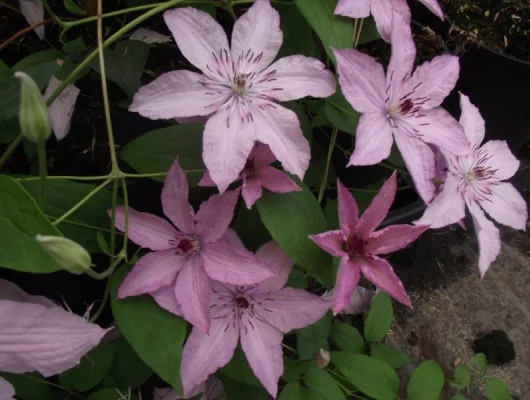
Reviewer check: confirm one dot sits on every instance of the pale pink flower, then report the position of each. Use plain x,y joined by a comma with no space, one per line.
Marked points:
383,11
360,300
358,245
238,87
7,392
403,106
259,316
476,181
258,174
178,271
212,389
33,11
62,108
38,335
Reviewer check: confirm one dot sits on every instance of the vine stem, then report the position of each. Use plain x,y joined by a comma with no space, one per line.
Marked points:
324,181
43,171
359,30
12,147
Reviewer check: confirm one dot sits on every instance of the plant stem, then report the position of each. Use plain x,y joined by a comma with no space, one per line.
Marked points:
126,208
14,144
113,216
103,303
43,171
108,272
359,30
81,224
324,182
22,32
289,348
230,10
72,178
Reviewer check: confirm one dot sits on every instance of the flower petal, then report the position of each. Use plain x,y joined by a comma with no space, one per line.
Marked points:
294,77
146,230
348,276
175,199
472,122
331,241
62,107
434,7
347,210
233,266
262,155
152,272
10,291
384,11
7,392
403,55
165,297
192,291
381,274
177,94
506,206
206,180
280,129
278,262
373,140
199,37
256,38
393,238
362,80
251,191
353,9
214,216
500,159
276,181
33,11
360,300
149,36
262,344
49,340
489,240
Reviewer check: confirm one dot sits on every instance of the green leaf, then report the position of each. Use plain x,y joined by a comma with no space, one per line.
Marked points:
248,225
102,243
239,370
30,386
112,394
461,377
36,59
293,391
322,386
314,337
5,71
372,377
347,338
341,114
313,176
235,390
73,8
458,397
495,389
293,369
334,31
392,357
297,279
9,130
297,33
369,32
156,150
156,335
128,370
426,382
91,370
20,221
480,363
379,318
290,219
75,46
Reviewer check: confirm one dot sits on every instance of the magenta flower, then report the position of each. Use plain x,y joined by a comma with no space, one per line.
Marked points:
259,173
358,245
178,271
403,106
259,315
383,11
476,181
238,88
38,335
7,392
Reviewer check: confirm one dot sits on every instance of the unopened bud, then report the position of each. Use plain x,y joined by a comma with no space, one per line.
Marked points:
322,358
34,119
68,255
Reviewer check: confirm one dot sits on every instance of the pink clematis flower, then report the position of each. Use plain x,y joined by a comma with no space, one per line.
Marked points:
212,389
476,181
238,87
259,315
38,335
259,173
403,106
7,392
359,246
178,271
383,12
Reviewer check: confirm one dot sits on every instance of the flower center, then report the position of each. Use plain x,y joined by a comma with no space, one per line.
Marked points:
354,246
241,302
185,245
240,85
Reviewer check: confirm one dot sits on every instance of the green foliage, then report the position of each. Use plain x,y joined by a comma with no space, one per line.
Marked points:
30,386
392,357
236,390
112,394
239,370
247,224
369,32
461,377
297,279
426,382
127,370
347,338
294,391
293,369
341,114
479,363
321,385
313,338
297,33
379,318
458,397
495,389
71,6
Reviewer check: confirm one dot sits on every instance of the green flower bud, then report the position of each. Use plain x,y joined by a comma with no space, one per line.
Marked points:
35,122
69,255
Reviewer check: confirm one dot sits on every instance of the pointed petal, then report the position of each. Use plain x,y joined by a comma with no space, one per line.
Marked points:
381,274
199,37
146,230
49,340
152,272
506,206
62,107
373,140
192,291
262,155
177,94
360,300
278,262
403,54
206,180
353,9
472,122
175,199
419,159
500,159
214,216
348,211
262,344
226,264
279,128
433,7
295,77
203,354
393,238
169,394
384,11
226,145
251,191
489,240
7,392
149,36
348,276
331,241
165,297
378,208
289,308
33,11
10,291
362,80
231,239
276,181
256,38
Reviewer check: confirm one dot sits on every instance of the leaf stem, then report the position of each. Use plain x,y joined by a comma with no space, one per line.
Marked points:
359,30
81,224
43,171
108,272
324,182
289,348
12,147
71,178
103,303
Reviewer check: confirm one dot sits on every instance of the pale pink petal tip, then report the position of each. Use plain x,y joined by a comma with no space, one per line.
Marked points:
62,108
33,11
7,392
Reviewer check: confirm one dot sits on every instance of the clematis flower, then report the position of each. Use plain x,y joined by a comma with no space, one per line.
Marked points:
404,105
238,87
476,181
62,107
258,315
177,272
33,11
383,11
38,335
7,392
360,300
259,173
212,389
358,245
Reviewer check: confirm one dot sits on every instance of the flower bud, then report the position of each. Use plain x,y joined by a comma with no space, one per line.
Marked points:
69,255
322,358
34,119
